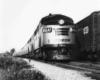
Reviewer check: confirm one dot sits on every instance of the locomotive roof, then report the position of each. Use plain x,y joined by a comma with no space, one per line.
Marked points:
55,17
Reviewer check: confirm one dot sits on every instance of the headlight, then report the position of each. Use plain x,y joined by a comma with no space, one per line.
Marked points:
71,29
61,21
47,30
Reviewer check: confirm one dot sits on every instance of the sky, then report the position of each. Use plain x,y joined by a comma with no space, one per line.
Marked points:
19,18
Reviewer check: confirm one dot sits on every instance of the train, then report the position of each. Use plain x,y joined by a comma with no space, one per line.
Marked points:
53,39
88,34
57,37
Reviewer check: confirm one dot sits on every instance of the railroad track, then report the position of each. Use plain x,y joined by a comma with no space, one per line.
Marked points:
87,64
90,67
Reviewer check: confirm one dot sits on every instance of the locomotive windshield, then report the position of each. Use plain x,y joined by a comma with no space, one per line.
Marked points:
54,20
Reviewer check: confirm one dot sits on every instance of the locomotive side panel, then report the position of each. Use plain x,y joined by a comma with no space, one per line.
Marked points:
32,43
41,37
30,48
37,38
36,42
26,50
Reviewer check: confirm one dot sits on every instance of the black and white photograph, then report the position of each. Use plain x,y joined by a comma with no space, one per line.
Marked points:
49,39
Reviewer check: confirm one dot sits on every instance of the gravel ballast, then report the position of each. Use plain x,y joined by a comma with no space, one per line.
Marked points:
58,73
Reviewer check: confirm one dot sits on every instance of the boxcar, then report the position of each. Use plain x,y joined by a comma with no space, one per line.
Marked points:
88,34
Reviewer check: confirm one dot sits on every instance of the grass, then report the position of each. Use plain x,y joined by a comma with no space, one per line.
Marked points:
28,75
12,63
19,69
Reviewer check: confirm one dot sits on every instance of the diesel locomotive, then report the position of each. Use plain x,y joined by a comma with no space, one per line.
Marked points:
53,39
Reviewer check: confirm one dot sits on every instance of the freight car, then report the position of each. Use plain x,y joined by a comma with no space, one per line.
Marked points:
88,34
53,39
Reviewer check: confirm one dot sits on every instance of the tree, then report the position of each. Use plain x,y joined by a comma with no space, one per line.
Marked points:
12,51
6,53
